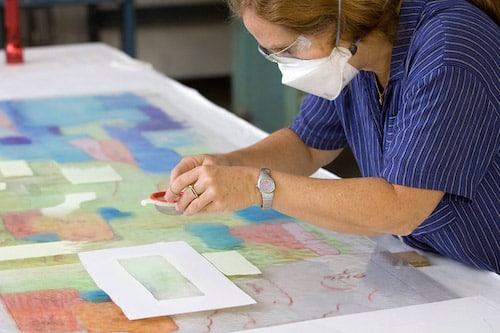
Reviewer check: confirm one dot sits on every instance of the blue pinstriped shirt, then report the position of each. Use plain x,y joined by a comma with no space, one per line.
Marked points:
438,127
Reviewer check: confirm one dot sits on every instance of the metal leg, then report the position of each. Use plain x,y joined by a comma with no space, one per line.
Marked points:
92,23
128,27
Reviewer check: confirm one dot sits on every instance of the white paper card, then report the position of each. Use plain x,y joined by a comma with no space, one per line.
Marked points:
231,263
90,175
161,279
15,169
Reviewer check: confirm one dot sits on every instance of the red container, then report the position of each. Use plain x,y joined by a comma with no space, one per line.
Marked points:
13,45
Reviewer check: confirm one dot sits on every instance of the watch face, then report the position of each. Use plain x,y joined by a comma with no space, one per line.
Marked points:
266,185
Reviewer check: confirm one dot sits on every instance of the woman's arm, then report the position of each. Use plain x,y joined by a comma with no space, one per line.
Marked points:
283,150
357,206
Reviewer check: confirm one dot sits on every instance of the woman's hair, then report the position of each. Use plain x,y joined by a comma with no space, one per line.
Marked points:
490,7
358,17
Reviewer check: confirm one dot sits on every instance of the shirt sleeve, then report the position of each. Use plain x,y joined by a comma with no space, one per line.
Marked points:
445,135
318,124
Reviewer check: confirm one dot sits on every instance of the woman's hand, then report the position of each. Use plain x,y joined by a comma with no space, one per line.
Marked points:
215,188
186,164
215,185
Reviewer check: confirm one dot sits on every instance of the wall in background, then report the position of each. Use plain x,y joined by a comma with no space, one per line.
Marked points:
184,39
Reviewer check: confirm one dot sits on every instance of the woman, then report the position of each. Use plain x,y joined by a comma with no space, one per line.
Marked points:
411,86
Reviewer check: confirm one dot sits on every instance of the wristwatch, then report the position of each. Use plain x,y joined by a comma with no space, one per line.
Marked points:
266,187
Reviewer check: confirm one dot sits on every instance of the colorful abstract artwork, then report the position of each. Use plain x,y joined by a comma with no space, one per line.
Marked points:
74,170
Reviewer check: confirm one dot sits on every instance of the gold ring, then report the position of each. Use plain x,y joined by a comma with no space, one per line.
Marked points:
191,187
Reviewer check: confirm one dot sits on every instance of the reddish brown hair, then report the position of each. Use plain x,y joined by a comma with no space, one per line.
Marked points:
359,17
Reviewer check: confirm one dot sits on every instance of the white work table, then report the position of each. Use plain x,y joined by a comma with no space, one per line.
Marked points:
90,69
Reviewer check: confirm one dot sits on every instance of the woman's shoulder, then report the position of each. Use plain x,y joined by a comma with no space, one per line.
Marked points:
456,29
456,36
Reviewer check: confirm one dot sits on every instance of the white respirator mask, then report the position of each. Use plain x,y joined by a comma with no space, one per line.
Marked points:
324,77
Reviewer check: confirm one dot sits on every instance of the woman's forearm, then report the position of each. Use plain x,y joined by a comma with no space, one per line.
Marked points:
356,206
283,151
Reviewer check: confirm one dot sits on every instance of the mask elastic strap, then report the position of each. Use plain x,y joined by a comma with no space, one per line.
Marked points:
338,23
354,47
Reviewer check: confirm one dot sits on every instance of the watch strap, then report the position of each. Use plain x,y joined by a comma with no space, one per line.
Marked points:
266,187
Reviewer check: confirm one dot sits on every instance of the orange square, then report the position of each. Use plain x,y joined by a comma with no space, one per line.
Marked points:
107,317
